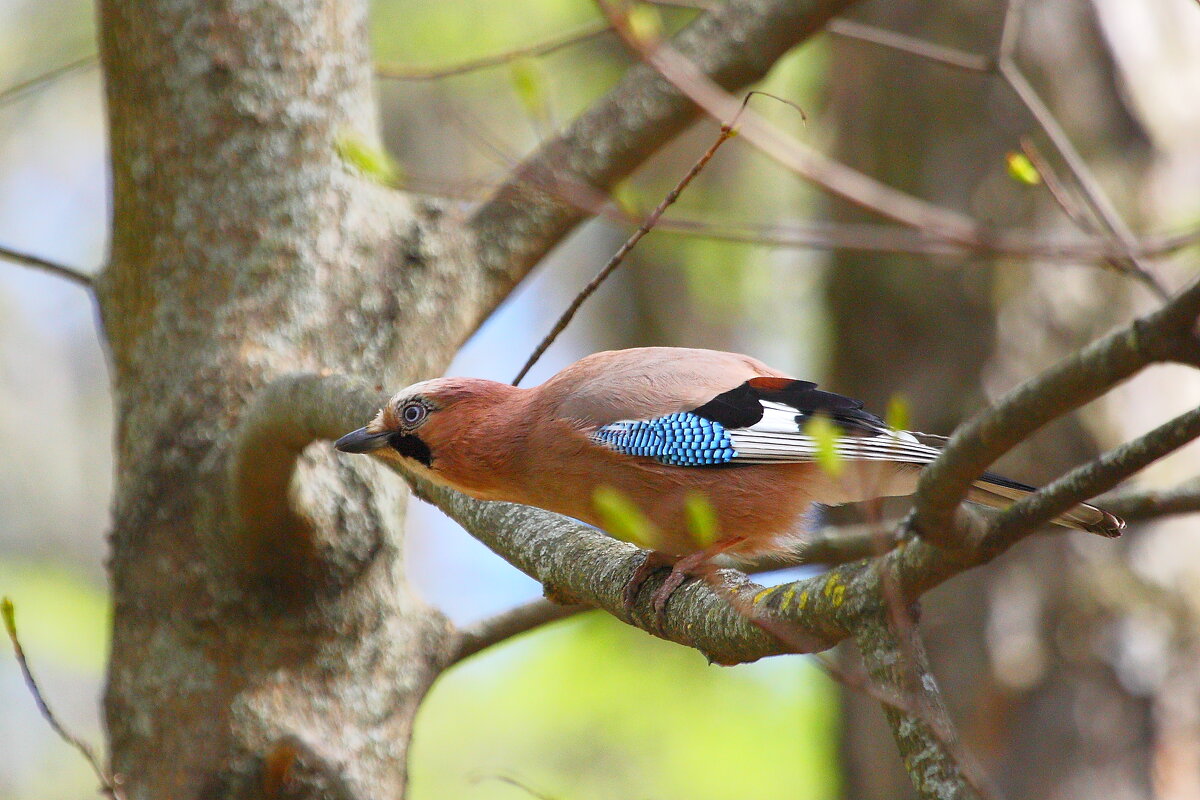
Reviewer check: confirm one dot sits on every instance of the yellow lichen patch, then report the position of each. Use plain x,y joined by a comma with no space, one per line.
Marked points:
834,590
763,595
803,604
788,597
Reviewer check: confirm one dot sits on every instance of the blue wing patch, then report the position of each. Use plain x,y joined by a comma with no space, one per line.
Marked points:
683,439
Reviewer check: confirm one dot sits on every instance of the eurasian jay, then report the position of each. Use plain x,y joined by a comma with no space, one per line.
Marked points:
657,425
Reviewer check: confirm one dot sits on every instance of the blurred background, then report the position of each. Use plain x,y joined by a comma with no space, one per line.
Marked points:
1073,665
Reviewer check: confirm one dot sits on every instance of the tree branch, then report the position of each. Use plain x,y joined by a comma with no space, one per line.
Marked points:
1163,335
52,267
520,223
924,735
1155,503
110,784
1091,479
18,90
507,624
731,621
283,419
853,186
583,33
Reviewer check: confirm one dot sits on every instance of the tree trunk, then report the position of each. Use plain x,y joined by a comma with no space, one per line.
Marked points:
241,248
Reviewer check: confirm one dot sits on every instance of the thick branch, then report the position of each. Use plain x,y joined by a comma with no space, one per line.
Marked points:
926,740
732,622
519,224
1080,378
283,419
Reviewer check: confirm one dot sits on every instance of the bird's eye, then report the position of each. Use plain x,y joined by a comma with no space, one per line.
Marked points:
412,413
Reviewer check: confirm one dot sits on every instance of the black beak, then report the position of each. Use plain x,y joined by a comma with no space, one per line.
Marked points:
362,441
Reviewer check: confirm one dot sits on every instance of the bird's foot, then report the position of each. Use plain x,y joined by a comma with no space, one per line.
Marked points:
663,593
653,562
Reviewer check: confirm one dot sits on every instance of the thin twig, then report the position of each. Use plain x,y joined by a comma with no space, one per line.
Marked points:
54,268
583,33
108,783
833,176
727,132
896,239
1010,30
1124,260
1093,194
949,56
510,623
15,92
1004,64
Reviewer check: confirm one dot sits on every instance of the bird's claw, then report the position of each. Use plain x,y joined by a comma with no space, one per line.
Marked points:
663,593
652,563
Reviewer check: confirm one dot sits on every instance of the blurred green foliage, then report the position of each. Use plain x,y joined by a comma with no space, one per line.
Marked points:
63,618
590,709
822,429
622,518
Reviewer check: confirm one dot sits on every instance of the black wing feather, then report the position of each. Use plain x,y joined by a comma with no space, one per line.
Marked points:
742,407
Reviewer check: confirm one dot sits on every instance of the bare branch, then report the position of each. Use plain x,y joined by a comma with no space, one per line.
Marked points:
583,33
925,737
54,268
15,92
1082,377
896,239
108,783
506,625
1006,67
940,54
1155,503
1092,479
518,225
653,217
837,178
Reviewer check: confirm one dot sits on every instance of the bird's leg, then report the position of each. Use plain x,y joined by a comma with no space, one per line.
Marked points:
653,562
693,565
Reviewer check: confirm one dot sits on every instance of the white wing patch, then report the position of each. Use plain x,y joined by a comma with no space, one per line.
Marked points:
778,437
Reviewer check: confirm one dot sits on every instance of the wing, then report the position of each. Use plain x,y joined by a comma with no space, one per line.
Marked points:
763,421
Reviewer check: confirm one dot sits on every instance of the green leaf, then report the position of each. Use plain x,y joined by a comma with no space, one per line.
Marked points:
370,161
645,23
898,416
10,617
626,198
701,519
826,435
621,517
529,82
1022,170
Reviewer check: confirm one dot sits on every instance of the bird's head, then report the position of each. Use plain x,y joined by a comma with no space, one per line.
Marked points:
427,425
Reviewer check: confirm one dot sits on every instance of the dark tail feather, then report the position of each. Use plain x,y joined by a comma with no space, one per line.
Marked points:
999,492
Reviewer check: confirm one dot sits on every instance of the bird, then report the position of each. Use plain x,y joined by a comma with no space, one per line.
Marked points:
658,427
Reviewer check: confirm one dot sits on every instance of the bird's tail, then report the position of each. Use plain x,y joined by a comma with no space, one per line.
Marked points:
999,492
